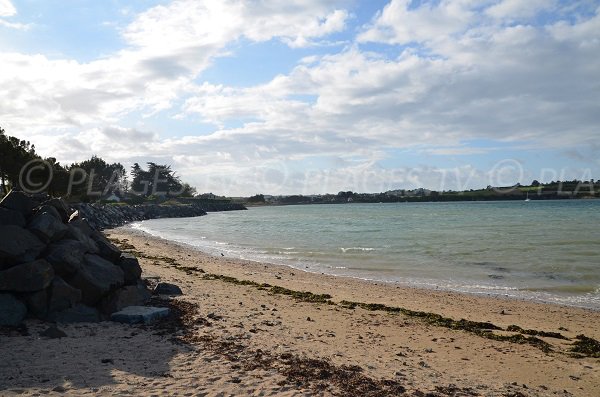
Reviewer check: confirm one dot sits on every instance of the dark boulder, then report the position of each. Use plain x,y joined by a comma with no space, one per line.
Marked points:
97,278
83,225
19,245
47,227
62,295
107,249
77,314
37,303
66,256
130,295
18,201
27,277
12,310
48,209
131,268
11,217
167,289
75,233
60,206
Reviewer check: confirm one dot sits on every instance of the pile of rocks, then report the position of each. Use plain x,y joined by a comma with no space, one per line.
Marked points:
55,266
104,216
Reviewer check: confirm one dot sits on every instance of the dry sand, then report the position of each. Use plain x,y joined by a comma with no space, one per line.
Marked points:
239,340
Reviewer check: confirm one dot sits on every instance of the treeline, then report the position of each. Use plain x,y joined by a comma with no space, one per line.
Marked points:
555,190
90,180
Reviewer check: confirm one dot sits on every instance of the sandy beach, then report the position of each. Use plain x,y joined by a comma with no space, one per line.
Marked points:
245,328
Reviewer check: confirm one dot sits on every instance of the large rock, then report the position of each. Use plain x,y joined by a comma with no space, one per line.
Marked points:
37,303
12,310
11,217
83,225
18,201
19,245
27,277
60,206
130,295
97,278
62,295
167,289
48,209
75,233
140,314
47,227
77,314
107,249
66,256
131,268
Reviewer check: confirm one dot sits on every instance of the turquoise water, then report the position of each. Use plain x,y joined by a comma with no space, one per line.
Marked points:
543,250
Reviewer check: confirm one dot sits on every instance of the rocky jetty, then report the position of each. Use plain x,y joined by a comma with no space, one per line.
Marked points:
105,216
55,265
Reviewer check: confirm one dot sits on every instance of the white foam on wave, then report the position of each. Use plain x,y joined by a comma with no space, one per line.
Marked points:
356,249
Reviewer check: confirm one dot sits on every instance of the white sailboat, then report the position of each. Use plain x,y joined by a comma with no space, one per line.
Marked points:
527,198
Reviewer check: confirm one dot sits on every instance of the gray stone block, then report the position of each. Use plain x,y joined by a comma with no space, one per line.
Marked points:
140,314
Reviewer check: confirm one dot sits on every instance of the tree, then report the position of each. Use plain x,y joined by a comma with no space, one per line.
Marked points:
258,198
158,180
14,155
96,177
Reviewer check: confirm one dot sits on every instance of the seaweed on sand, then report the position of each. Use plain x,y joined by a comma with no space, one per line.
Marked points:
586,346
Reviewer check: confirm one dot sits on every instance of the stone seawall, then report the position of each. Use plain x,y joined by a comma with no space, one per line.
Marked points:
105,216
56,265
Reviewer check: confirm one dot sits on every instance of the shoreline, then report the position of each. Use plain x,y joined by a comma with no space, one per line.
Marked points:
521,296
326,283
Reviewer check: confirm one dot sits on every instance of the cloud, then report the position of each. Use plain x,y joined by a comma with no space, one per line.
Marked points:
454,72
516,9
7,9
168,46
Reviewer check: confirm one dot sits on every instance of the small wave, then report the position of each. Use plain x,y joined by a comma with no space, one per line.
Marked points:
356,249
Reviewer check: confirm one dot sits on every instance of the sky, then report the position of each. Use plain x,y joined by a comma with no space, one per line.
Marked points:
310,96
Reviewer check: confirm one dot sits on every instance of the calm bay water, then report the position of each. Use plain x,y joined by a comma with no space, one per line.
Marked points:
543,250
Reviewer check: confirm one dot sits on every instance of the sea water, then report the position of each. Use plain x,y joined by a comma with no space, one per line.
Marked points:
541,250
